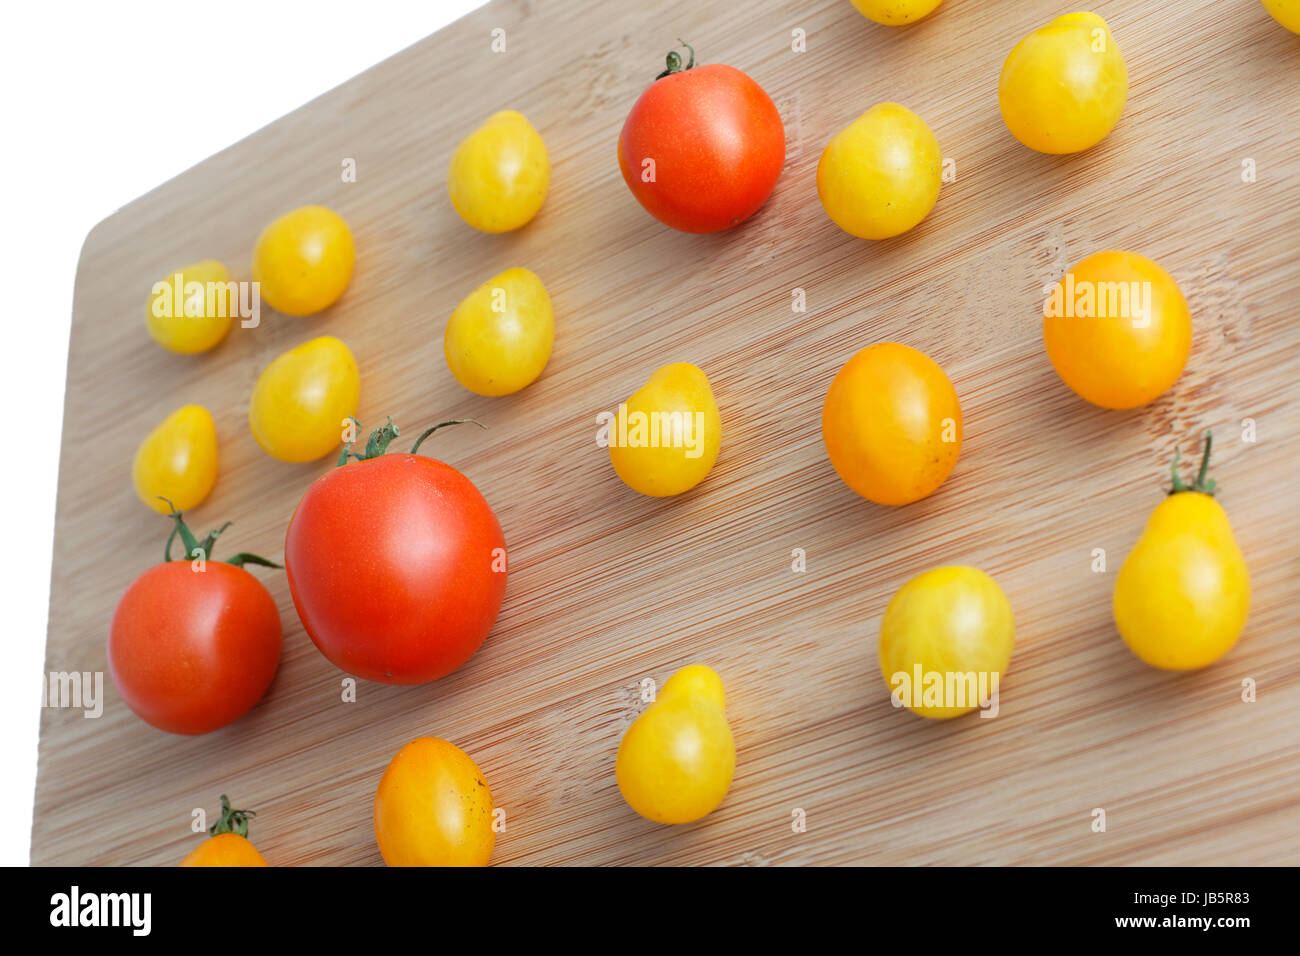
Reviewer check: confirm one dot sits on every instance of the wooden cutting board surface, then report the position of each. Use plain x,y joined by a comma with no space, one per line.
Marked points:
607,587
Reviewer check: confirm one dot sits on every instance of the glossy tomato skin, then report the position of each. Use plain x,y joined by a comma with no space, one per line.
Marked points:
717,144
397,568
224,849
434,808
192,651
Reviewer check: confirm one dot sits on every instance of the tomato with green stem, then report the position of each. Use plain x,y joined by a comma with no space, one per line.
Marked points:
194,643
396,563
227,843
1183,593
703,147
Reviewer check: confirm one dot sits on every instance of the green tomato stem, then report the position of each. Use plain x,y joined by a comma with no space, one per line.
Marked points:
381,438
191,544
674,60
1202,486
433,428
376,444
232,821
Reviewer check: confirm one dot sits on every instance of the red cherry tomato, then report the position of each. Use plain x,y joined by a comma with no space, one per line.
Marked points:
703,147
193,650
396,564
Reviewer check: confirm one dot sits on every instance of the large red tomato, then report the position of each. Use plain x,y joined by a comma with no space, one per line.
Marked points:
397,566
703,147
194,644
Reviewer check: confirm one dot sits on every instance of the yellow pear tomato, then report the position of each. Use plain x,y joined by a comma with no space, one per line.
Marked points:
880,175
191,310
1117,329
1063,87
892,424
1183,593
893,13
666,437
303,261
302,400
228,844
499,338
676,761
945,641
500,173
434,808
1285,12
177,461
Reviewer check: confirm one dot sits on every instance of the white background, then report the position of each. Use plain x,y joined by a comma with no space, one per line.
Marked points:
84,90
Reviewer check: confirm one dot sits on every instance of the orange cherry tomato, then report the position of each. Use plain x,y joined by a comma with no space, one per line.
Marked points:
434,808
892,424
1117,329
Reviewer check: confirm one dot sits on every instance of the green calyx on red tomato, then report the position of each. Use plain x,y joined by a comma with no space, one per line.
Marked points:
194,644
193,546
379,440
674,60
396,563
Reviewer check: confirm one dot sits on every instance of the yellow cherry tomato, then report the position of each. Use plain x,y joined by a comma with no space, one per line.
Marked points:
228,845
676,761
303,260
1183,593
499,338
891,424
666,437
1117,329
302,400
1063,86
177,460
191,310
945,641
1285,12
434,808
895,12
880,175
500,173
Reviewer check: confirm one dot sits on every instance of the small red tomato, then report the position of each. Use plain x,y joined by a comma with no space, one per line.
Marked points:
396,563
194,644
703,146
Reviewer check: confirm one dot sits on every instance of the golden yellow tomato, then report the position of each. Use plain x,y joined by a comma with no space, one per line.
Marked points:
434,808
880,175
1285,12
303,260
666,437
1063,86
499,338
676,761
1117,329
891,424
500,173
177,460
945,641
895,12
191,310
228,844
302,400
1183,593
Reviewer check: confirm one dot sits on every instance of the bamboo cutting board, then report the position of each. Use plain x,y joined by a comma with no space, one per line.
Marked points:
607,587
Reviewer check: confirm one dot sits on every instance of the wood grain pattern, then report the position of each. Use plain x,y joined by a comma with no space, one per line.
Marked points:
608,587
